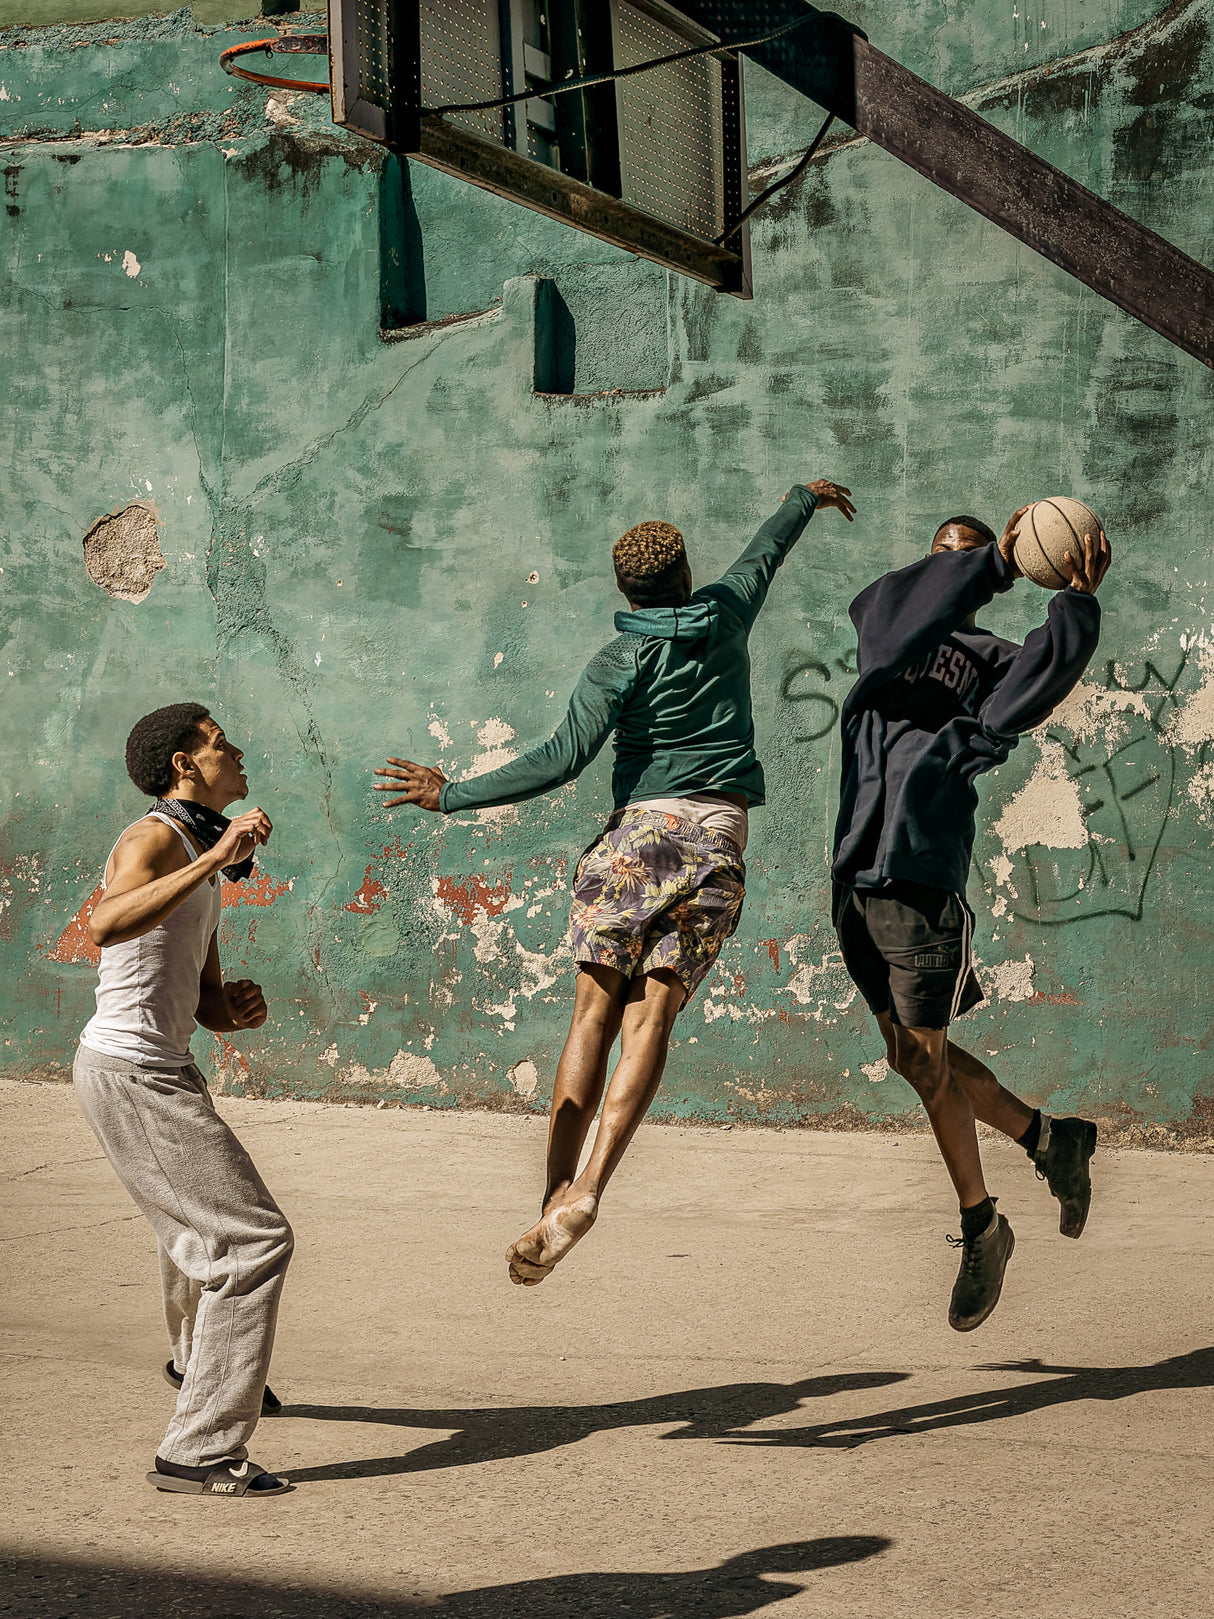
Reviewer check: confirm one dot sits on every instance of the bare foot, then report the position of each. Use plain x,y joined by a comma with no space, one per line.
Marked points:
535,1253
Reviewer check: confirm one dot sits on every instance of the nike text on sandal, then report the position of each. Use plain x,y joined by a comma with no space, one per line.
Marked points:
1061,1160
225,1478
980,1280
271,1405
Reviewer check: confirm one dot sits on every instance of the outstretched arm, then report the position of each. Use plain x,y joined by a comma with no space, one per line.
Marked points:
743,589
905,614
594,708
1053,658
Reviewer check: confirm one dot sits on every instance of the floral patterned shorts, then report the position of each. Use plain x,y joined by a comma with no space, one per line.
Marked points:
653,891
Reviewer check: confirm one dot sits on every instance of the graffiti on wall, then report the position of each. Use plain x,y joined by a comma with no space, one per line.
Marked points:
1081,839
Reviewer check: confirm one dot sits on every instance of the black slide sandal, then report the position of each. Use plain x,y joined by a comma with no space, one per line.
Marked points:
226,1478
271,1405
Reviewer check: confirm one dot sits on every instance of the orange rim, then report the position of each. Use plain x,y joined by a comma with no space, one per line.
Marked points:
227,61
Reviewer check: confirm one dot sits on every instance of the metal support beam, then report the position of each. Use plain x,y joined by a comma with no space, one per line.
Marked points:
970,159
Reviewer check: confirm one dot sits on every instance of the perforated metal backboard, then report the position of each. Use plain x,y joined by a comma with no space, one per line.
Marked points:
655,163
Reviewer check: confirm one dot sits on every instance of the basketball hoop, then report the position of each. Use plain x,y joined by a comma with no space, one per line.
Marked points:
290,44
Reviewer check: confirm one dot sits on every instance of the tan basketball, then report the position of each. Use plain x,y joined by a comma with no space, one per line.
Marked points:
1048,530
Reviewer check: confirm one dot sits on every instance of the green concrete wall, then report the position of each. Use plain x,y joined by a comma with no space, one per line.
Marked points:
397,544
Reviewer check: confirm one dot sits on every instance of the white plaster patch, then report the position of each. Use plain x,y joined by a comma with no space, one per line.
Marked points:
4,96
1009,980
1200,789
1090,712
278,110
440,733
408,1071
497,659
365,1017
1193,722
524,1076
820,985
131,265
1047,810
1001,870
493,736
875,1072
493,733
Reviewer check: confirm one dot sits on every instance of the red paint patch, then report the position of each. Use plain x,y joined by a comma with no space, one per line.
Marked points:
472,895
229,1054
773,950
369,898
262,890
74,945
372,894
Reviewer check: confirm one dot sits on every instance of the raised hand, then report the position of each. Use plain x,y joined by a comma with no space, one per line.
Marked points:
1087,574
1007,541
832,494
246,1003
414,784
242,836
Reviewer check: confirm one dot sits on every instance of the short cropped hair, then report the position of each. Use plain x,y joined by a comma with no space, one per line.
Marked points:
976,523
156,738
649,562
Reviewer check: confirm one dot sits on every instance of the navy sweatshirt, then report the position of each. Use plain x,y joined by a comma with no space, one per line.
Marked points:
936,705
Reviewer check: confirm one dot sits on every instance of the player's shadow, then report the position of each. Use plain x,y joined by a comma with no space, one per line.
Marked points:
737,1586
1061,1384
740,1585
500,1433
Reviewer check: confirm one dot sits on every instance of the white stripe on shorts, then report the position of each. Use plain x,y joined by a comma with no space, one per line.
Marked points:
967,939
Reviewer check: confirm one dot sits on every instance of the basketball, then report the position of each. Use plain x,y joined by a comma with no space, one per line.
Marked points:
1047,531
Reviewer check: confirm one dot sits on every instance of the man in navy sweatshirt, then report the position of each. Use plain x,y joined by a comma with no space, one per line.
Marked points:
660,890
937,702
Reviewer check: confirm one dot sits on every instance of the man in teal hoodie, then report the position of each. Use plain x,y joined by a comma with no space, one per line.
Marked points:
656,895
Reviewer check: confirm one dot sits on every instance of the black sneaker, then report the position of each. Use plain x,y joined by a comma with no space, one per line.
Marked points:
980,1280
1061,1161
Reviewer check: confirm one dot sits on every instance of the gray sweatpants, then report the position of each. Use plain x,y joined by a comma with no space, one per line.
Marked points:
224,1243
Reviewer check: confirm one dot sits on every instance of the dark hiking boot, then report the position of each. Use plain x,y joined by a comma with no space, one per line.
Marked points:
1061,1161
980,1280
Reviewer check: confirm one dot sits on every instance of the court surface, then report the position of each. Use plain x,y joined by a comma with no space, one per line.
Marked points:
739,1395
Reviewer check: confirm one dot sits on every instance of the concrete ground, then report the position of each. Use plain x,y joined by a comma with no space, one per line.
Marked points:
740,1393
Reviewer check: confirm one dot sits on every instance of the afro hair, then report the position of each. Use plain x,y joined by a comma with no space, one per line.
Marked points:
649,562
156,738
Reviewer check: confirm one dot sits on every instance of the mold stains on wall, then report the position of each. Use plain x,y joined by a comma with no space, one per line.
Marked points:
122,551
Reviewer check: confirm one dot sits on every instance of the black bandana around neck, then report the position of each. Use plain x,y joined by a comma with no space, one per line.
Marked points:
207,825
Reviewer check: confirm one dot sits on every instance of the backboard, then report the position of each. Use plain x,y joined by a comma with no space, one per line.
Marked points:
655,163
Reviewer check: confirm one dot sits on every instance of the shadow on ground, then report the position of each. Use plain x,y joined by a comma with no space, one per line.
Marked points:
741,1585
502,1433
1063,1384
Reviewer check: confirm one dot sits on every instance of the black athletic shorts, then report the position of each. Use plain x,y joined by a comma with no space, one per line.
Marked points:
908,950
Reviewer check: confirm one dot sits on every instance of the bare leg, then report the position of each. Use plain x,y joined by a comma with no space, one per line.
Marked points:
648,1017
992,1102
598,1007
923,1060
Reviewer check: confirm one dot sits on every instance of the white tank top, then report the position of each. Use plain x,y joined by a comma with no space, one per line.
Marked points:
147,991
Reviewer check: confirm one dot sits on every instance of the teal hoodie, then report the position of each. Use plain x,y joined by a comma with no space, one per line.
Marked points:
674,686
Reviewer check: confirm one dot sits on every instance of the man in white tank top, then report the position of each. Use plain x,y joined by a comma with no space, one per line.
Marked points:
224,1243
